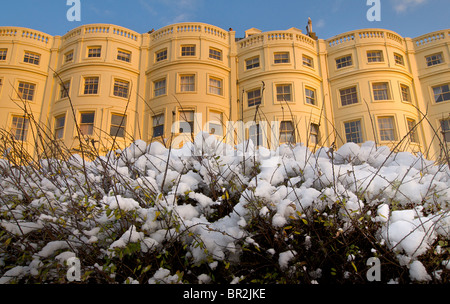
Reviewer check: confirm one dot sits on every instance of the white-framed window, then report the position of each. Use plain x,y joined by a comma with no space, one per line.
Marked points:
33,58
215,86
86,124
216,123
349,96
161,55
381,91
3,53
287,132
158,125
353,131
91,85
123,55
65,89
310,94
375,56
160,87
284,92
412,128
281,57
386,126
94,52
308,61
60,122
434,59
188,50
252,63
186,118
445,129
121,88
314,134
19,127
344,61
256,135
406,95
187,83
399,59
26,91
441,93
254,97
118,125
68,57
215,54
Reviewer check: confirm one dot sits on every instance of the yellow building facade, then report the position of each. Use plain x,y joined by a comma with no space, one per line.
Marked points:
112,85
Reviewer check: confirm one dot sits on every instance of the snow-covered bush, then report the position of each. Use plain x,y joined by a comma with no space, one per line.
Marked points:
213,213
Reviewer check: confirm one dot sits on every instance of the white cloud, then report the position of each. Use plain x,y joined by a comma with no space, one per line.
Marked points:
320,23
172,11
401,6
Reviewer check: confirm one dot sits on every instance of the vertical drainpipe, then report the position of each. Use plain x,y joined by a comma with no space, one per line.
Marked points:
50,83
233,84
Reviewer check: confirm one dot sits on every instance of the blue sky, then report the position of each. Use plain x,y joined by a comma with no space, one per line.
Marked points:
409,18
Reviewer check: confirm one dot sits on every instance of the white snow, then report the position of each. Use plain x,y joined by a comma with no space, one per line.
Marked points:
407,195
285,257
418,272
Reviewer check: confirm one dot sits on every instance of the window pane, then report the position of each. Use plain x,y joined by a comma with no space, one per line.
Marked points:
161,55
87,123
310,96
254,98
215,86
186,121
308,61
160,87
91,86
405,93
59,126
442,93
252,63
215,123
94,52
187,83
32,58
118,123
445,129
284,92
314,134
26,91
412,127
380,91
3,53
344,61
399,59
349,96
121,88
124,55
158,125
434,59
255,134
19,128
215,54
188,50
353,131
387,128
65,89
281,57
287,132
374,56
